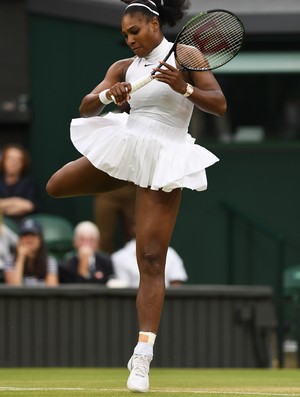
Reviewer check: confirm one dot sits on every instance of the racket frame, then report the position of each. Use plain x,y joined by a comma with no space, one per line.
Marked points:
191,21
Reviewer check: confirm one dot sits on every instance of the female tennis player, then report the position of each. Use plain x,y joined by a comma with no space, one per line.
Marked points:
149,147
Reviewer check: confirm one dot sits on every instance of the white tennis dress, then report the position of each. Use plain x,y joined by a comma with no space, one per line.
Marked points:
150,146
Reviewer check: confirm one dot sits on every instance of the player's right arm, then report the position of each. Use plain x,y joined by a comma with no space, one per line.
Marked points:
91,104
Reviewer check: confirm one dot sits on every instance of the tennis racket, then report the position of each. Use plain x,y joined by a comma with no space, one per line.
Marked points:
209,40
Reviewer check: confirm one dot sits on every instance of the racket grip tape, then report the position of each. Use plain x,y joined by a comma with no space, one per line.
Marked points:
135,85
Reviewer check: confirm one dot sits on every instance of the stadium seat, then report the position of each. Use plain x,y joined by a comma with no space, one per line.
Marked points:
292,279
291,285
11,224
58,232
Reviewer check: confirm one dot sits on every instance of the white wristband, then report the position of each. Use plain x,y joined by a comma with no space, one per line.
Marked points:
103,98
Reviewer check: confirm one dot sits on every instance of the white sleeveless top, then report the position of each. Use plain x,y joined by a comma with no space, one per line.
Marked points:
151,146
157,100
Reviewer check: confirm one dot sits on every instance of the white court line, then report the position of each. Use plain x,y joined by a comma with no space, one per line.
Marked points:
10,388
204,391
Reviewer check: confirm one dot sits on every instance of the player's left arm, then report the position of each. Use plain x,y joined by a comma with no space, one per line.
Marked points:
207,95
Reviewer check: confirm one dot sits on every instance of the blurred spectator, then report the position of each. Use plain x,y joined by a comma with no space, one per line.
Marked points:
126,267
31,264
114,209
18,192
87,264
8,242
291,117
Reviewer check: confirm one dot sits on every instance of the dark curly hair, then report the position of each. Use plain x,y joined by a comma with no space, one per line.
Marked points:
170,11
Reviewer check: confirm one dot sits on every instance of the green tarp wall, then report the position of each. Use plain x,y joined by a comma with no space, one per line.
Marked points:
67,59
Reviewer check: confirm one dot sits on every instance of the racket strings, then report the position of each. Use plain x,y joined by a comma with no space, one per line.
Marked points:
209,41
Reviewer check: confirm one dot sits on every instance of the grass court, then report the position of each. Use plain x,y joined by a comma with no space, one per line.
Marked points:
108,382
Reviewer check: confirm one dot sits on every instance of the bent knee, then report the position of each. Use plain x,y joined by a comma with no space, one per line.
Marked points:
53,187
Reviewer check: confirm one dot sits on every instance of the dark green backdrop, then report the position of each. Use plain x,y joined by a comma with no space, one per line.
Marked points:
67,59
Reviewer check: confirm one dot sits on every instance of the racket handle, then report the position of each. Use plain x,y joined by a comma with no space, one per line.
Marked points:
137,84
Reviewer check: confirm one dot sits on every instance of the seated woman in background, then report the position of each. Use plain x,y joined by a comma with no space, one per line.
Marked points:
18,191
31,265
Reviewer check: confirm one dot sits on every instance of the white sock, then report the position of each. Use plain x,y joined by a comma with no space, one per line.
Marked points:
145,343
146,349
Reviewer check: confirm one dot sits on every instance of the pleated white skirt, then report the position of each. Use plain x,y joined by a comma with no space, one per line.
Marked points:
142,150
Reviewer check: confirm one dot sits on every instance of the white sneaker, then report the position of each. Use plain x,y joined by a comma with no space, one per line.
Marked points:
138,366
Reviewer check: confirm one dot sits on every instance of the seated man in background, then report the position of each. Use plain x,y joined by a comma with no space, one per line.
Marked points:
112,210
87,264
126,267
31,264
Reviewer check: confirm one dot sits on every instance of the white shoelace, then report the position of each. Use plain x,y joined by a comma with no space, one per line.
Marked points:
140,365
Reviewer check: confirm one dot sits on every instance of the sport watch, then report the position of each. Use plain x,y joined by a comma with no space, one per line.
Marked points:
189,90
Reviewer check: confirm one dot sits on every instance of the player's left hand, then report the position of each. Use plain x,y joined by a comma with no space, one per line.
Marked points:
171,76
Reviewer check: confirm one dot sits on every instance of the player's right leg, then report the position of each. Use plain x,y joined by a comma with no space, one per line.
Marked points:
156,213
79,178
